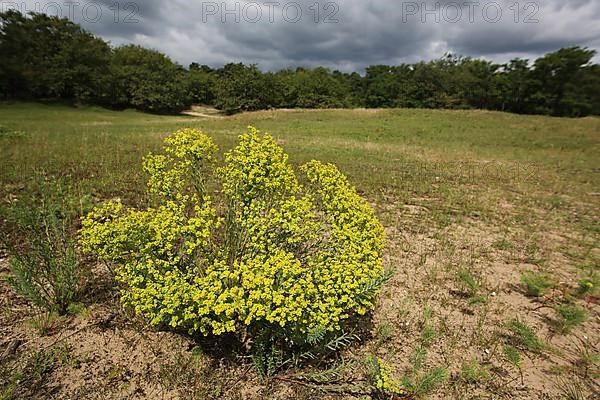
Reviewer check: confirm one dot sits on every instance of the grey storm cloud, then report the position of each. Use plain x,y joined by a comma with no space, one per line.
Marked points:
339,34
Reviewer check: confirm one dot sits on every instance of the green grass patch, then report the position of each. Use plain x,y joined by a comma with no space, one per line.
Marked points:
473,372
536,284
454,163
569,316
525,336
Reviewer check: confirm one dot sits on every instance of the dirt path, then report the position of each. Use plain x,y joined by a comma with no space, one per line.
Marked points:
203,112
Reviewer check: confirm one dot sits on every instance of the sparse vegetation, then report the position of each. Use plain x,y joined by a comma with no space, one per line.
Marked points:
423,383
448,187
26,381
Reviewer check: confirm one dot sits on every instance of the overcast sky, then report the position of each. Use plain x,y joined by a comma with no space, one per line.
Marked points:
341,34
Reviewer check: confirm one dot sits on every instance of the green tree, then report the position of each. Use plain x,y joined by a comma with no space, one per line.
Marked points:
515,86
559,78
435,85
318,88
478,88
244,88
201,86
380,86
46,57
49,57
355,87
147,80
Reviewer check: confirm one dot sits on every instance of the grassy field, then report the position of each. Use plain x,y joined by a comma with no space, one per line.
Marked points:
478,207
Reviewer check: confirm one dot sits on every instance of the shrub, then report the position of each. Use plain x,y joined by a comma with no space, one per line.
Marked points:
44,266
267,254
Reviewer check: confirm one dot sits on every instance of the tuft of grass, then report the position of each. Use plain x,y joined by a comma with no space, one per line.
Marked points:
569,317
423,384
473,371
428,335
418,358
420,383
571,389
536,284
468,282
384,332
79,309
514,358
46,323
588,360
477,300
525,337
503,244
512,355
428,332
470,285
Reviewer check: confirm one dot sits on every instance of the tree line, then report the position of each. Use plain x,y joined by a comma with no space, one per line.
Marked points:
47,57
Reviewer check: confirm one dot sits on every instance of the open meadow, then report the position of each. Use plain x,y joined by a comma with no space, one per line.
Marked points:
492,224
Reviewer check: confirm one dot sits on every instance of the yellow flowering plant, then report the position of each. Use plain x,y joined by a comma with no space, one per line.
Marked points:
382,379
265,254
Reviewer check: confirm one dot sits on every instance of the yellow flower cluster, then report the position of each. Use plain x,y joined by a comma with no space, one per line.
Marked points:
269,252
187,150
257,167
384,380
